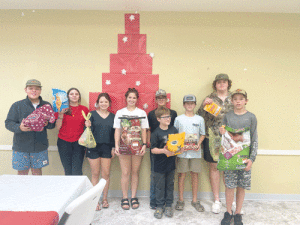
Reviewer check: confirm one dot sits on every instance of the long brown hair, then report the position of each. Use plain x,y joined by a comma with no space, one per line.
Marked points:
69,111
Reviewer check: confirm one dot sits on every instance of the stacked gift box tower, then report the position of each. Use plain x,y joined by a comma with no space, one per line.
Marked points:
130,68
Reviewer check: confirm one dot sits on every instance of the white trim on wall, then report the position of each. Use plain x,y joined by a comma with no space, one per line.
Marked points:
209,195
260,151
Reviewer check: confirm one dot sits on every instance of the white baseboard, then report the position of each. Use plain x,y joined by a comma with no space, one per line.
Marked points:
260,151
209,195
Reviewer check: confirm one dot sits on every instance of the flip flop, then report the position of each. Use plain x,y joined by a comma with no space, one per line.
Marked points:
105,204
98,207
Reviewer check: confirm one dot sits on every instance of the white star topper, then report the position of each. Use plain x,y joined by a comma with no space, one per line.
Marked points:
125,39
107,82
138,83
123,71
131,17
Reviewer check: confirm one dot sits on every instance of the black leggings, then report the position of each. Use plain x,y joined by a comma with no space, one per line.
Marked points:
71,156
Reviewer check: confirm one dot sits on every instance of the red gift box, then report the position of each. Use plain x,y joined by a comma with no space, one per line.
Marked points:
151,83
136,81
132,23
132,63
92,100
146,102
132,43
116,83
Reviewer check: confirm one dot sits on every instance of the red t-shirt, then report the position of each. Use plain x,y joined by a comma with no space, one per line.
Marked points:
73,125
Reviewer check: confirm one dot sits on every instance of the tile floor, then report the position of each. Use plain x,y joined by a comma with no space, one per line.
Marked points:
256,213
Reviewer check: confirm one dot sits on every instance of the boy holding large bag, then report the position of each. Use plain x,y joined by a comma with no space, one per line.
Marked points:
238,175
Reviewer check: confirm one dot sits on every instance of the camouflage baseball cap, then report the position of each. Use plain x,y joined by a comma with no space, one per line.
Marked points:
160,92
222,76
239,91
33,82
189,98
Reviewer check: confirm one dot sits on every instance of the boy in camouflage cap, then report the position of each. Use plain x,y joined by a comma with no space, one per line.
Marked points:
239,179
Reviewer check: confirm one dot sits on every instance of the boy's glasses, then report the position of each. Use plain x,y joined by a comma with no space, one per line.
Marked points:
165,117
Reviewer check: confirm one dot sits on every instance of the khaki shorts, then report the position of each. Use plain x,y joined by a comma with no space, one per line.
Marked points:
185,165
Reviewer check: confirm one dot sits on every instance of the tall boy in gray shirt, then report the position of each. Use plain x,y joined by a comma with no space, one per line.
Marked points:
239,179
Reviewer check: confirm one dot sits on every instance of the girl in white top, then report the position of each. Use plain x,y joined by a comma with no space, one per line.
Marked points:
130,162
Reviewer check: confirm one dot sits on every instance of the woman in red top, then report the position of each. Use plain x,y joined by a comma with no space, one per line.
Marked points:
70,124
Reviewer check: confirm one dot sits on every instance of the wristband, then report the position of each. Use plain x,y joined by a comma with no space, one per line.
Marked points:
144,144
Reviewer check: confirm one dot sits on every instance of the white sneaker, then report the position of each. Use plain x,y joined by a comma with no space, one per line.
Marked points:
233,208
216,207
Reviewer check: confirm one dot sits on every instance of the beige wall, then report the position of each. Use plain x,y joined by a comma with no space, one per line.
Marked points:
260,52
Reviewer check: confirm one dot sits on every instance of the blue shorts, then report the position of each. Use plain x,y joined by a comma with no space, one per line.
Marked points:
25,161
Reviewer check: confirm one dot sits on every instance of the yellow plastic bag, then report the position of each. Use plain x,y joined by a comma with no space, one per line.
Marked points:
175,142
87,139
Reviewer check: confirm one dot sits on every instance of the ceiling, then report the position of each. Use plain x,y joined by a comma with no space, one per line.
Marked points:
270,6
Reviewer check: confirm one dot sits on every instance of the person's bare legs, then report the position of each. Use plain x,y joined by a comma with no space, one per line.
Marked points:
125,163
240,196
181,178
105,173
135,170
229,193
36,171
195,179
95,170
214,177
23,172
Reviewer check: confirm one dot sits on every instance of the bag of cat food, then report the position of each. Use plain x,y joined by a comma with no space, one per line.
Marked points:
235,149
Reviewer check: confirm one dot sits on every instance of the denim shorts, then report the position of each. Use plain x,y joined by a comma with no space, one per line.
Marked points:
25,160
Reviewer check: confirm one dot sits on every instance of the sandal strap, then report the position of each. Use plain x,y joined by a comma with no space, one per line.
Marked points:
136,201
125,201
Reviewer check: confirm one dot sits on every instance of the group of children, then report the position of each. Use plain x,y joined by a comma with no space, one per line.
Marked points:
29,149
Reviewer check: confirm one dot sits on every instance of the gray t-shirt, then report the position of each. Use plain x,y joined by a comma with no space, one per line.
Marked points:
241,121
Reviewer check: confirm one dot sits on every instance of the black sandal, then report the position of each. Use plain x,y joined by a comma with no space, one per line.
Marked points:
135,201
125,201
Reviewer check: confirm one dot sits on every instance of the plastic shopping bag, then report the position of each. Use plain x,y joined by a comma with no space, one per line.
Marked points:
87,139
